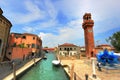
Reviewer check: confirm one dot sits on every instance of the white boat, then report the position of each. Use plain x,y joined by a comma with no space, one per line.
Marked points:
56,62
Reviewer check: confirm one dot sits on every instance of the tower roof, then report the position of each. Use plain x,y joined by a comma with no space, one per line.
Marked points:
1,11
87,16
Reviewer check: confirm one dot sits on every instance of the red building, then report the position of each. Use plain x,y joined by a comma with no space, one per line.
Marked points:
87,25
22,45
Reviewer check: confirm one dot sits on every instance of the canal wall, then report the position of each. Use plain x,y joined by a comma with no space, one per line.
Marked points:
21,71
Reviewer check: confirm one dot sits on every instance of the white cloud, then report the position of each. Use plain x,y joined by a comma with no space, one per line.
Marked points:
33,13
47,25
29,29
50,9
69,33
100,10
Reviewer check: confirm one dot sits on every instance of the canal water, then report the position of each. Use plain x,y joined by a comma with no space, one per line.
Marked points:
44,70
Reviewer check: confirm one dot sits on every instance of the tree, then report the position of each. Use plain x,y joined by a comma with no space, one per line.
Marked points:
46,47
115,40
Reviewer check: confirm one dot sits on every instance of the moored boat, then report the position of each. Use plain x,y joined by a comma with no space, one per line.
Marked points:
56,62
44,57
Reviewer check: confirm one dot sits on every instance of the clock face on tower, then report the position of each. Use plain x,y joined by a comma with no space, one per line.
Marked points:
89,30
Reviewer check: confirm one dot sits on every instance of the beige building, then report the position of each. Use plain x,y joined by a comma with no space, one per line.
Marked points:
68,49
5,26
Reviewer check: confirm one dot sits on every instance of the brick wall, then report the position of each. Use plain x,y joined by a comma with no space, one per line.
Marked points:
20,52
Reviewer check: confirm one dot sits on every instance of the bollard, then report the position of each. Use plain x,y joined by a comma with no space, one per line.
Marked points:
93,67
14,72
86,76
34,61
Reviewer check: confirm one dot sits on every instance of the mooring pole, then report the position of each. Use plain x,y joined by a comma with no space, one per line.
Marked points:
14,72
72,71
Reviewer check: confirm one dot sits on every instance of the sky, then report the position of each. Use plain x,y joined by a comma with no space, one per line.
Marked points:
60,21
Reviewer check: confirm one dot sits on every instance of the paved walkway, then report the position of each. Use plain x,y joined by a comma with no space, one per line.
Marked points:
79,67
82,67
22,69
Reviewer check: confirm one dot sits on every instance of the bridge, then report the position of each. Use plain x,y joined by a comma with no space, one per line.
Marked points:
48,49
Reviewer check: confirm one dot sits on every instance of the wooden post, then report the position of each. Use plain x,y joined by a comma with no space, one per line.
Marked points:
14,72
72,71
34,61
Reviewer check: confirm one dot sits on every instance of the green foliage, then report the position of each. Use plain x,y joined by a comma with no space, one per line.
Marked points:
14,45
21,45
46,47
115,40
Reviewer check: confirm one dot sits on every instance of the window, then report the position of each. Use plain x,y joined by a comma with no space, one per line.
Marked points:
24,37
9,53
33,38
67,49
60,49
28,45
33,45
64,48
70,48
16,37
38,46
74,48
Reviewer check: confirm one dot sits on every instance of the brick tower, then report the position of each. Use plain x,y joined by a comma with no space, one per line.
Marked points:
87,25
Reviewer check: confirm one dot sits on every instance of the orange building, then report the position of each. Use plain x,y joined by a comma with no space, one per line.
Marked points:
22,45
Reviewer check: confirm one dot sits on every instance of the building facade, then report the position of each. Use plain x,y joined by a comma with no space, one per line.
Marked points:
102,47
26,44
68,49
87,25
5,26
